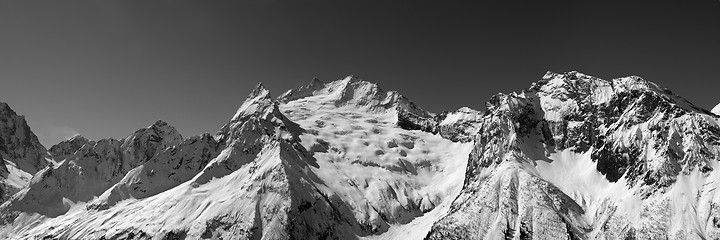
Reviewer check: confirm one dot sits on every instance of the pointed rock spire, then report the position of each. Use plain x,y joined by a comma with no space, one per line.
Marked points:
258,100
259,91
315,81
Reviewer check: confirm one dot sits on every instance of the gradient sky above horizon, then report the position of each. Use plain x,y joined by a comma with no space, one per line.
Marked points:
106,68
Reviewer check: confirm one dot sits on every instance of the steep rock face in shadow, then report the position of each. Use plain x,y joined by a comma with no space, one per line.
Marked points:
68,147
18,143
20,151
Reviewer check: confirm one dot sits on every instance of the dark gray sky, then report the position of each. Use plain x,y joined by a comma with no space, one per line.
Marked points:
106,68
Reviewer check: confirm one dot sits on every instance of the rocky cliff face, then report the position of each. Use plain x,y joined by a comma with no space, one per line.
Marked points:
21,152
68,147
461,125
18,144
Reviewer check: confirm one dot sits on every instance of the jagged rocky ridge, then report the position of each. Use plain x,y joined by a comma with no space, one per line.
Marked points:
573,157
66,148
90,170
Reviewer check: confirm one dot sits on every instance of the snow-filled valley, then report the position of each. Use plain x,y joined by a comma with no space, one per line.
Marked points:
571,157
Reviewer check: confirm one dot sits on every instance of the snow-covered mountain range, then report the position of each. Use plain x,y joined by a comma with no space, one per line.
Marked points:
571,157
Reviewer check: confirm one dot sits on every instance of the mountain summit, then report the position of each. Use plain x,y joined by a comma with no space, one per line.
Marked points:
611,159
570,157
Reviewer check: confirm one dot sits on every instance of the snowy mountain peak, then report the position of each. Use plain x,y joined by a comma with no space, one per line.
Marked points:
259,90
302,92
155,137
581,88
258,100
77,137
159,124
159,129
68,147
357,94
621,154
635,83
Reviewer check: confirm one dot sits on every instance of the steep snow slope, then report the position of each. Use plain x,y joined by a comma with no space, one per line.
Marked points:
16,178
388,175
637,159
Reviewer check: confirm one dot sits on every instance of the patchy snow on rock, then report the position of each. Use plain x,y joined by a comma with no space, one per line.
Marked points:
15,178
